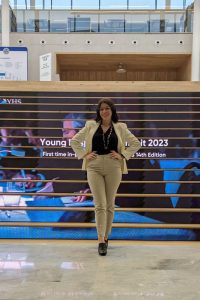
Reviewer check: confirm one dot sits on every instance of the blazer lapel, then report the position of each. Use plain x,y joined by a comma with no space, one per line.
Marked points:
93,129
118,133
91,133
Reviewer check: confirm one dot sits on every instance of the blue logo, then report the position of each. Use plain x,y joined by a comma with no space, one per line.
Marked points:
10,101
3,101
6,50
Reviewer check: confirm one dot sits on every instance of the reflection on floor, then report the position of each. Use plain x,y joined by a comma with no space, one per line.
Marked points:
73,270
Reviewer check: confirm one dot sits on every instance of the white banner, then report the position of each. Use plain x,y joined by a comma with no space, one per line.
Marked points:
13,63
46,67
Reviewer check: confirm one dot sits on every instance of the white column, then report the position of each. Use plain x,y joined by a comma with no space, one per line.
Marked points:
196,43
5,25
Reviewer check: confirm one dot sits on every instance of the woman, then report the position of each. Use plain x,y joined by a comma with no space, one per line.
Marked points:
104,158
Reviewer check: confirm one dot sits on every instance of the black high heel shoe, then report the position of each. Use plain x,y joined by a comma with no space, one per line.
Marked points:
106,241
102,249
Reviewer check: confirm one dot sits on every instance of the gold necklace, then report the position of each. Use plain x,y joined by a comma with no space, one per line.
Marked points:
106,143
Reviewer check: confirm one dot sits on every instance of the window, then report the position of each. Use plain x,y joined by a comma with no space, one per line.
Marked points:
112,23
113,4
21,4
82,24
71,24
170,25
43,21
161,4
58,21
173,4
188,2
176,4
39,4
155,23
190,22
87,4
47,4
137,23
19,14
11,3
86,23
61,4
180,22
141,4
29,20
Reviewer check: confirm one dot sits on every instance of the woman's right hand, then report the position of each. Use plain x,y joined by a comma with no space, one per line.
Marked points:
91,155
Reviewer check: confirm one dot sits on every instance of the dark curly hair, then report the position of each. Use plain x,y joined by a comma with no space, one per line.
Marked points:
109,102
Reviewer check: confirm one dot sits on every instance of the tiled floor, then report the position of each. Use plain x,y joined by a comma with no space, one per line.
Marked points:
73,270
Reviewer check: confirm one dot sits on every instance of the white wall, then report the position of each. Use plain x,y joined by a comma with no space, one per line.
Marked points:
196,43
100,43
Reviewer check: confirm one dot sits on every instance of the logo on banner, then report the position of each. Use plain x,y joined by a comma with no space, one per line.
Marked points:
6,50
10,101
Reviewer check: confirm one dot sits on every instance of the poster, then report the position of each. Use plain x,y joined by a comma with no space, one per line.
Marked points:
13,63
35,145
46,67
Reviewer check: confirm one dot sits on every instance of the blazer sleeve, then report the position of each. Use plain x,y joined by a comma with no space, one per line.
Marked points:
133,143
77,142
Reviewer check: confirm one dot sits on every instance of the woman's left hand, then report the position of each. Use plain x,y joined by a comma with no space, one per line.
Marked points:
115,155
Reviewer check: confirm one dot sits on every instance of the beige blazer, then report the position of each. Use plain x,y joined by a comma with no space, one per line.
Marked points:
123,134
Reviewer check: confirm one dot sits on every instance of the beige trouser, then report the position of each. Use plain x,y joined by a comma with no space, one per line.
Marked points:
104,175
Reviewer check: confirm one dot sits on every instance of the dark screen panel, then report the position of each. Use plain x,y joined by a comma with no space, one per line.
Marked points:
35,132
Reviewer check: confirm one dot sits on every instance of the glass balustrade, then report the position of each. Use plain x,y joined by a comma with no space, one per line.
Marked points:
101,22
